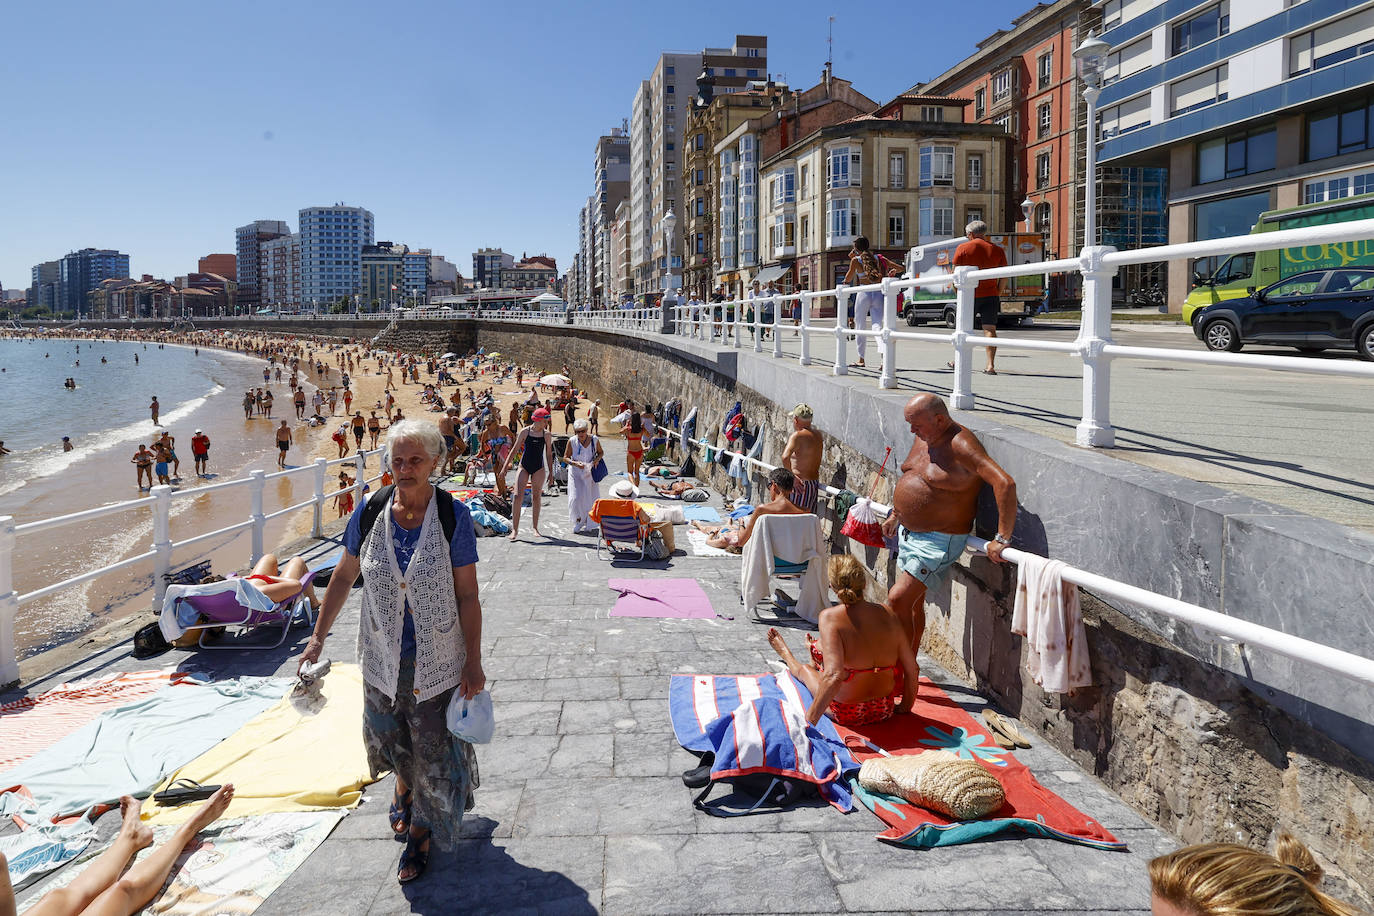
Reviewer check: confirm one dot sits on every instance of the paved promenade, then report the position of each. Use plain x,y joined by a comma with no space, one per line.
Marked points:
582,810
1299,441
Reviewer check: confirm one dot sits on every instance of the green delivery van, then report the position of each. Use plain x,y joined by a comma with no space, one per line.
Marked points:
1241,274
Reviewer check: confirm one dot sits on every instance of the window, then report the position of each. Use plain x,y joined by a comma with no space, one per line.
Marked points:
975,173
1323,189
780,235
1198,91
937,166
670,71
936,218
1217,219
670,108
896,170
1340,130
1043,120
805,234
1331,44
751,52
700,243
1126,117
1042,170
699,177
671,146
1200,28
896,227
751,74
842,221
980,107
843,167
972,213
1229,157
729,71
1042,218
932,113
1001,86
700,206
670,89
805,181
1044,69
1003,121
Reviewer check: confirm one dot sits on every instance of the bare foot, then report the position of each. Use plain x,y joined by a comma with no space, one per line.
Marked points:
132,827
513,535
780,646
213,807
536,532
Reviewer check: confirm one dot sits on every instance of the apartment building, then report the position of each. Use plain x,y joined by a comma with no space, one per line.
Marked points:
487,264
536,272
417,274
280,274
79,272
226,265
619,277
910,172
1250,106
657,123
44,284
611,185
248,265
382,273
332,241
738,259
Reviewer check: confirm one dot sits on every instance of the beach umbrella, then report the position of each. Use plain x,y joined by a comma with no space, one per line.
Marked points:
449,356
555,380
493,354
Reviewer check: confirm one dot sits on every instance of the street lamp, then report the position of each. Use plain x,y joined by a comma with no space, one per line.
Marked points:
1027,210
668,224
1090,58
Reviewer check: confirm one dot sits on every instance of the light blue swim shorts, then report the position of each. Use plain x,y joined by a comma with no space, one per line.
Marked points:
928,555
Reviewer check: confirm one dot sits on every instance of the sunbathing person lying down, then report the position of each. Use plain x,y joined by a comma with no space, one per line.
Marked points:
729,536
852,675
279,584
676,488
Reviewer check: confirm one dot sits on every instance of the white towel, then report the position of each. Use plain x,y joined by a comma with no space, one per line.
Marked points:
795,539
1047,614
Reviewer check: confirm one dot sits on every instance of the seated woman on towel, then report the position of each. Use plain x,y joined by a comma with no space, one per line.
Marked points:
852,675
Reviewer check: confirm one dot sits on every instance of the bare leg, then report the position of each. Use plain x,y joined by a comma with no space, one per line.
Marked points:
296,568
517,500
804,673
907,599
536,491
100,874
267,566
141,883
990,330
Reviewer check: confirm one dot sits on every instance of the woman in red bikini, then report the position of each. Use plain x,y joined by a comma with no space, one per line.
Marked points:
634,445
853,673
278,584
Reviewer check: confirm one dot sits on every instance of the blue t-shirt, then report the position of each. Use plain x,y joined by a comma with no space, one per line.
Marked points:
462,551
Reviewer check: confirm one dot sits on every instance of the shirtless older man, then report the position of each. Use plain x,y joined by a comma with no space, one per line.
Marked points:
935,502
803,457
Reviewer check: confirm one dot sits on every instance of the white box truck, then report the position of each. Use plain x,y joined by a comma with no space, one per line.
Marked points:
1021,296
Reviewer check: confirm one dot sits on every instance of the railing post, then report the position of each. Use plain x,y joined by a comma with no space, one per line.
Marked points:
805,306
359,475
9,605
162,542
738,322
777,313
841,310
756,326
317,524
887,378
1095,332
961,398
256,482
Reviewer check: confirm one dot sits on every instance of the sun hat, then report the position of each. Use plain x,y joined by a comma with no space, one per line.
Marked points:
801,412
624,489
540,414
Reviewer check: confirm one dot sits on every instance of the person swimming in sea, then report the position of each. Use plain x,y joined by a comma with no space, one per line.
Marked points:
67,444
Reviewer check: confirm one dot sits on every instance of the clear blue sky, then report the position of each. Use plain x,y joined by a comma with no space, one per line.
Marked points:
157,127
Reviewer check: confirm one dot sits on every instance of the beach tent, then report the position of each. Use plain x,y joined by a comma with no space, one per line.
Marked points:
546,302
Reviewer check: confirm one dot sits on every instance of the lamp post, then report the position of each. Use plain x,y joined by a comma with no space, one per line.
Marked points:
1089,58
668,224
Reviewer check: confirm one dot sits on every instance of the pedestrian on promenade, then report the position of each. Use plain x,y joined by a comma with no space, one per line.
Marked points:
987,303
802,456
534,445
864,269
1223,879
421,639
633,431
582,453
934,503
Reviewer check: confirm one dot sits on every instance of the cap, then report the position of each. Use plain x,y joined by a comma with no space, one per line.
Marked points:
540,414
197,432
802,412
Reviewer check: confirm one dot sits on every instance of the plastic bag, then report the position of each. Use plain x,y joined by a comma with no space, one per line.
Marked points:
862,524
471,720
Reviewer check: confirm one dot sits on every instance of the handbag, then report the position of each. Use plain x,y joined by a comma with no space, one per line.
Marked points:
599,471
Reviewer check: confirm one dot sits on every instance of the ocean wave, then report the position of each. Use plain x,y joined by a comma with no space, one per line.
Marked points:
41,462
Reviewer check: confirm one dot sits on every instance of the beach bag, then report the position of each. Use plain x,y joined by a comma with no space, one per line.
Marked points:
689,467
497,503
754,793
695,495
655,548
149,641
861,524
599,471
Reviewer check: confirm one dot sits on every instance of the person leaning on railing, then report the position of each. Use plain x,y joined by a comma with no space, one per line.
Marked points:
421,640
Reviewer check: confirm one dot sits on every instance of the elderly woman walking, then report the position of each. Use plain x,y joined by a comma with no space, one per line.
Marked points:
582,454
420,640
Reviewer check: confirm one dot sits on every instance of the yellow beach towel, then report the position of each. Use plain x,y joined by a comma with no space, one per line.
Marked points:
304,754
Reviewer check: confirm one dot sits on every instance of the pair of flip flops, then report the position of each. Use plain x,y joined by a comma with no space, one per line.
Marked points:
1007,735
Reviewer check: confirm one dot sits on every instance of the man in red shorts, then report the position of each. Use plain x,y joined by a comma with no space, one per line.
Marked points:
987,303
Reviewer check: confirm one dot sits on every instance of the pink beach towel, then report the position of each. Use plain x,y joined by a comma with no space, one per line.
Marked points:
678,598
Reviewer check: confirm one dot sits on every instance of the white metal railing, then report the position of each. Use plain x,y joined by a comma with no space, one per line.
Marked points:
1226,627
159,502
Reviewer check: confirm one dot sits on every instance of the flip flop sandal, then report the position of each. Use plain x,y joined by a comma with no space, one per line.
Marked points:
1002,725
413,857
399,814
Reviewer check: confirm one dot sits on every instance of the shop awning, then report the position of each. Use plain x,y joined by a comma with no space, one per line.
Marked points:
775,272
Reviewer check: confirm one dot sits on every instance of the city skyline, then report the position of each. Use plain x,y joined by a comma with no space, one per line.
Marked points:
165,168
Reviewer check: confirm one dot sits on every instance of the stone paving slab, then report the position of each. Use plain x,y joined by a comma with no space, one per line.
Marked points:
582,809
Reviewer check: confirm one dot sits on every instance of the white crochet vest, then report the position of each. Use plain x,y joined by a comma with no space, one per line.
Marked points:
440,651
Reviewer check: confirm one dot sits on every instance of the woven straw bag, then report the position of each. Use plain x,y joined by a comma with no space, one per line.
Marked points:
938,780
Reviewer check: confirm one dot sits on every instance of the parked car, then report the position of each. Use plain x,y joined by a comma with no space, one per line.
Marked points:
1312,311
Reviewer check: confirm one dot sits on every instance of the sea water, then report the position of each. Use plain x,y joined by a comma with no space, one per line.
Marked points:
106,417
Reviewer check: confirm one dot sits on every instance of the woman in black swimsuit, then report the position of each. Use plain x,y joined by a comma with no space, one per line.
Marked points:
534,445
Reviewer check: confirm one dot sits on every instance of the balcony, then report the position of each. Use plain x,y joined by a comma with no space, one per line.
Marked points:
784,251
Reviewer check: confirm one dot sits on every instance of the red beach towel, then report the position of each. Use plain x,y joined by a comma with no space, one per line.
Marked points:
938,723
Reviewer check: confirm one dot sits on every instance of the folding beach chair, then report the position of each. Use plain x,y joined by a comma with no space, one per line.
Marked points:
233,602
620,521
785,547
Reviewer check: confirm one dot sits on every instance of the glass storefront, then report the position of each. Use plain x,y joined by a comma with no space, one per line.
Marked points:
1218,219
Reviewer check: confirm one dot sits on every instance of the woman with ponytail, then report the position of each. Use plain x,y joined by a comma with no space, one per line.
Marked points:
853,673
1222,879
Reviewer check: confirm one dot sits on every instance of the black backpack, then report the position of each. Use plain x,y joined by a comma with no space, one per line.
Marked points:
448,517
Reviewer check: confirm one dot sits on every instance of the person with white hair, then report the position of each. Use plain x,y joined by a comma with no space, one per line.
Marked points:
420,639
581,455
987,303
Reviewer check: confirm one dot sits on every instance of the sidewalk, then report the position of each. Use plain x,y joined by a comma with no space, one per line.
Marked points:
581,808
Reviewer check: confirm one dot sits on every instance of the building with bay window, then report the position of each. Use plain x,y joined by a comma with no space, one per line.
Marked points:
1250,106
910,172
